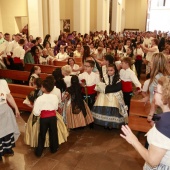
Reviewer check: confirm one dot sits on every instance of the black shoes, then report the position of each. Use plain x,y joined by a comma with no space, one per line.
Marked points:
10,152
91,125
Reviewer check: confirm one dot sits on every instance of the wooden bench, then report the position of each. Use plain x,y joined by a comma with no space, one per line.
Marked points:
138,116
139,123
139,108
44,68
59,63
77,60
19,93
63,63
18,75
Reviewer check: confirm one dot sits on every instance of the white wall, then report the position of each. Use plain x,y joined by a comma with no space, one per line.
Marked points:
1,28
9,10
135,14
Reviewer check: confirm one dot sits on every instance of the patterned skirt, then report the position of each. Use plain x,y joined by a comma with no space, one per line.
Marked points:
78,120
106,111
32,131
9,132
159,167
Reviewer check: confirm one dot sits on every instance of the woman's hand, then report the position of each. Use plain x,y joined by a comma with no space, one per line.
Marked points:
128,135
17,113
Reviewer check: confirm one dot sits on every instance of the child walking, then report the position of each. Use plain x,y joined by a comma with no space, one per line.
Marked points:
128,77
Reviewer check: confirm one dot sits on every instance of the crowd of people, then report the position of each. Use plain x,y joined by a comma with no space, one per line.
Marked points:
98,91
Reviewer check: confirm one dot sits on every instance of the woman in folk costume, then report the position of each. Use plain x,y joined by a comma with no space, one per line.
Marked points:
32,126
109,109
78,113
9,132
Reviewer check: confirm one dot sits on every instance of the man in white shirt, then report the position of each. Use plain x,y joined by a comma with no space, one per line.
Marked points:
7,52
18,55
14,43
45,59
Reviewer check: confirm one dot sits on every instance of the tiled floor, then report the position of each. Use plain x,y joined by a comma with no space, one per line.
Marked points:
86,149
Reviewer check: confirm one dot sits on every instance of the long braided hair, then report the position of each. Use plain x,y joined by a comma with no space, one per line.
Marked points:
75,91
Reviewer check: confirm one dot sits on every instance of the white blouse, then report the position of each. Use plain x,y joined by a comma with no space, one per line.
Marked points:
45,102
157,139
4,90
129,76
75,67
150,54
43,60
60,56
57,92
19,52
67,80
91,79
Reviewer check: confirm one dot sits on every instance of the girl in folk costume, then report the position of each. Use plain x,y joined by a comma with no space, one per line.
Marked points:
109,109
128,77
88,81
9,132
66,71
78,113
33,123
108,59
59,82
34,73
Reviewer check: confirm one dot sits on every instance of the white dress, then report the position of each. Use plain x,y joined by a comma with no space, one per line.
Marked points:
9,132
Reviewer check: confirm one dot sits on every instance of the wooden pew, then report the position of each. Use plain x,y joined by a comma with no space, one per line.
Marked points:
78,60
139,108
19,93
18,75
63,63
44,68
59,63
139,123
138,116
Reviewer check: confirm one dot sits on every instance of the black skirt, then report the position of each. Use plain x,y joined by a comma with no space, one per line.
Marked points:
6,144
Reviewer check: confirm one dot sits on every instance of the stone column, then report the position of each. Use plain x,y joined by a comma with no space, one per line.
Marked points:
35,21
103,15
81,16
54,19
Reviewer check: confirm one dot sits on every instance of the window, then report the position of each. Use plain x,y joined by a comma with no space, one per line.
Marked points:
158,15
